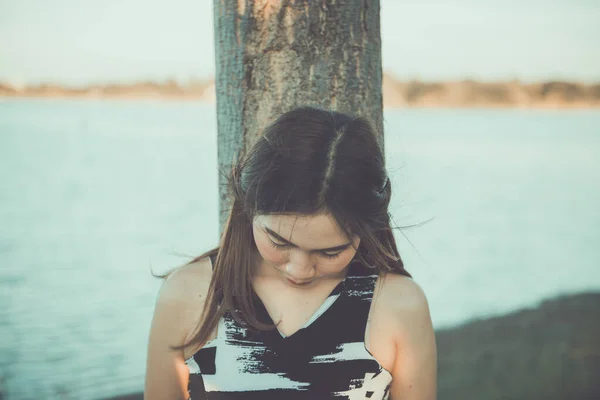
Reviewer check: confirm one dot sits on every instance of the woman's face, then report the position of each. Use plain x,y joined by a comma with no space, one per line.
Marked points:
302,249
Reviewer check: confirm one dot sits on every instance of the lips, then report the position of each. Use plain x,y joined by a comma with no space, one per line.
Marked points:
298,283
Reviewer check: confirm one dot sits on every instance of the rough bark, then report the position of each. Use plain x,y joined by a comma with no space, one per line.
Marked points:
272,56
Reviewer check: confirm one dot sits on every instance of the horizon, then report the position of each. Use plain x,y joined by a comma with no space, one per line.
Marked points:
210,79
428,41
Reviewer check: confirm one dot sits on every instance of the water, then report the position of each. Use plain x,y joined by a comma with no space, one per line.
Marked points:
94,195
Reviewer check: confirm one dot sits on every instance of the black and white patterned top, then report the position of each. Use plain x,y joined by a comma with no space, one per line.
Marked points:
325,359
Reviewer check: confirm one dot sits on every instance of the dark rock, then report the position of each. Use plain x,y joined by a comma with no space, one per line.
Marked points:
132,396
551,352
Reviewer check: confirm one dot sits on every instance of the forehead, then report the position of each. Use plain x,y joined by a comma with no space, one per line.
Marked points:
312,231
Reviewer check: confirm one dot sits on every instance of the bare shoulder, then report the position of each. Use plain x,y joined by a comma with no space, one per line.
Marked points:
404,312
177,312
181,299
402,292
401,298
185,284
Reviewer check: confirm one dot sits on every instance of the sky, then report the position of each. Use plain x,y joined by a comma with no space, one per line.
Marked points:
78,42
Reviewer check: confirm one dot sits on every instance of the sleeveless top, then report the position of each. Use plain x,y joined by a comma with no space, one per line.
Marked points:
324,359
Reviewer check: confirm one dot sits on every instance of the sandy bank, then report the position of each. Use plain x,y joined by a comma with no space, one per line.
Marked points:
550,352
396,93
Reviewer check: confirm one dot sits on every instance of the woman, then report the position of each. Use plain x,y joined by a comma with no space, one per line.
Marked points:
306,296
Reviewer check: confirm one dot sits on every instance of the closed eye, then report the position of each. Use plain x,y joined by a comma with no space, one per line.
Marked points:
278,245
330,255
273,242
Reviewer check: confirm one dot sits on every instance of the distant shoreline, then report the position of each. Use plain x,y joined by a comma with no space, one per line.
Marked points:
396,93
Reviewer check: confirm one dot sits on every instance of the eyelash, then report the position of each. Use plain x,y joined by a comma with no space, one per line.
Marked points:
280,246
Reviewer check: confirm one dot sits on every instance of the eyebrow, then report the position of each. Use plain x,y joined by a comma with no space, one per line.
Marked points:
328,249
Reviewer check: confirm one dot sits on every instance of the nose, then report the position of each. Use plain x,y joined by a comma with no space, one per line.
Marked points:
300,266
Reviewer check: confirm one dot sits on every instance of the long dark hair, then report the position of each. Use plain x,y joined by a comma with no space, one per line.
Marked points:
308,161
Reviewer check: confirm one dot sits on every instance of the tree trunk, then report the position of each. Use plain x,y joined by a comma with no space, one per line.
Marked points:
272,56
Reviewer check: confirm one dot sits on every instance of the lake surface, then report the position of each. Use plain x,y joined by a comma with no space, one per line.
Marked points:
95,195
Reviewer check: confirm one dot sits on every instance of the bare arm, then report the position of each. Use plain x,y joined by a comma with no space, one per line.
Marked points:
177,312
415,366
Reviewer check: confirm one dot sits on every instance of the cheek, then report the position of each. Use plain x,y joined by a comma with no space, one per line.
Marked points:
349,254
338,263
269,253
